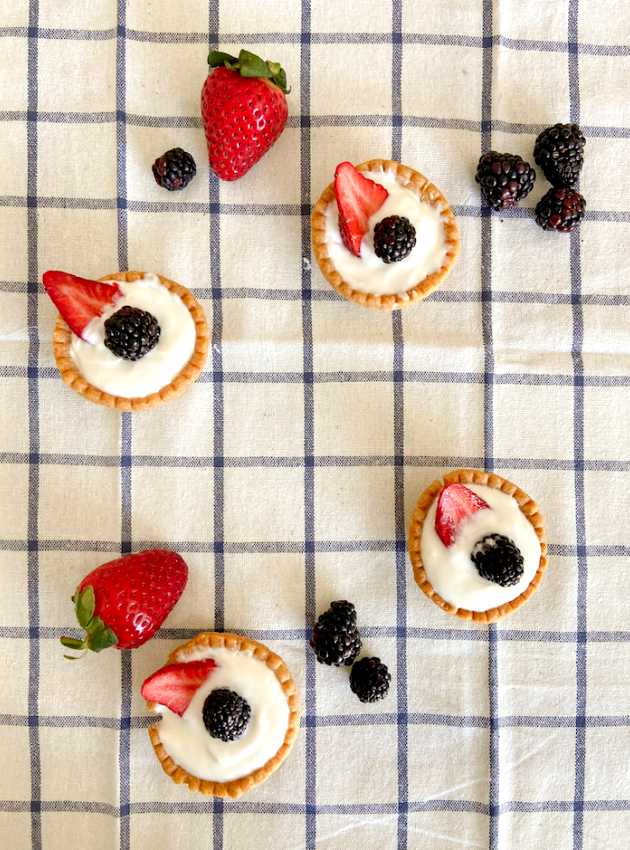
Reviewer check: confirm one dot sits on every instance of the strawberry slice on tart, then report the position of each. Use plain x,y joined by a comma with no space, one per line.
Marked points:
358,198
174,685
79,300
456,503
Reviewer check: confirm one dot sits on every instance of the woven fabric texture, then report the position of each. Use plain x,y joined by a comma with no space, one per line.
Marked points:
287,474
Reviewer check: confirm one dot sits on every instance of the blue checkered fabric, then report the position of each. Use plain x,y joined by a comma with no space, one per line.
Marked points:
287,474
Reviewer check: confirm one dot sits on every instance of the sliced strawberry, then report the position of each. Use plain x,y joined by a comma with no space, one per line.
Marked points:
79,300
358,198
455,504
176,684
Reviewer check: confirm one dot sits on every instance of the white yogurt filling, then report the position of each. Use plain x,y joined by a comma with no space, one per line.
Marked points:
451,570
187,740
132,379
368,273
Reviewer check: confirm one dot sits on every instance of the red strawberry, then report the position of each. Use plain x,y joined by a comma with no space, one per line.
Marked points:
79,300
124,602
455,504
175,685
358,198
244,110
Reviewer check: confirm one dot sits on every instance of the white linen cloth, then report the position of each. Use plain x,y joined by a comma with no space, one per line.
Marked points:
287,474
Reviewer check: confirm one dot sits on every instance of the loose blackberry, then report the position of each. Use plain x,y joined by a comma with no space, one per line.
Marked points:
336,638
561,210
559,151
225,714
369,679
131,333
504,179
394,238
174,169
498,559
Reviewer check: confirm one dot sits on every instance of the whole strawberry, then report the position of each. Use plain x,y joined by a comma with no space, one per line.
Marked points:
124,602
244,110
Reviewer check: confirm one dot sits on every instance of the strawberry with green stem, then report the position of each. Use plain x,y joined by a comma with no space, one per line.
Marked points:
244,110
124,602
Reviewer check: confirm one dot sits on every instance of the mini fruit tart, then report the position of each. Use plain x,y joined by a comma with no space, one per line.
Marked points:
477,545
130,340
229,714
383,235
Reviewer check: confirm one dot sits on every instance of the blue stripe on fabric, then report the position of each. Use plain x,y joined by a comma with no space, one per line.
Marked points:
488,408
419,633
578,450
435,39
126,435
286,547
296,121
203,807
486,242
218,411
32,312
495,726
597,299
424,377
310,790
199,207
456,721
298,461
218,407
399,469
320,120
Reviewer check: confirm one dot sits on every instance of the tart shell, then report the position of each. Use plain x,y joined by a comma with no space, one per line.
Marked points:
62,338
428,193
235,787
528,507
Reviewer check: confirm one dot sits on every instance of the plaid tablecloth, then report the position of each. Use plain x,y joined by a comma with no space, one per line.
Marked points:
287,474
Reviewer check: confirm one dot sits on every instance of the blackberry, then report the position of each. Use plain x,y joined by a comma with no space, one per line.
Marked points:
394,238
504,179
561,210
498,559
369,679
559,151
225,714
336,638
131,333
174,169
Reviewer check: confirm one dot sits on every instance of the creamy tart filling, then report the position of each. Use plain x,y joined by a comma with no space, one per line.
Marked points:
188,742
368,273
132,379
450,569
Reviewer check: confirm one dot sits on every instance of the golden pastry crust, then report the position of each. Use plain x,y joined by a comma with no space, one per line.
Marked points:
428,193
62,338
528,507
233,789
